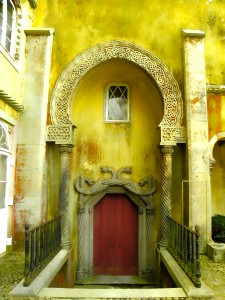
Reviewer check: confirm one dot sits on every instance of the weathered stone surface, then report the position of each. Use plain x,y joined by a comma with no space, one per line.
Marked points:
216,252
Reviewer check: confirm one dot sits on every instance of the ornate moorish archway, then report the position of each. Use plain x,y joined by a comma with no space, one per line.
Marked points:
172,130
61,129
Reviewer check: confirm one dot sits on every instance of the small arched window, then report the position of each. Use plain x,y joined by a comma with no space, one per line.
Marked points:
7,25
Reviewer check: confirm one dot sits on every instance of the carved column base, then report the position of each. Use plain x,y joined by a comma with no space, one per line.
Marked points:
81,274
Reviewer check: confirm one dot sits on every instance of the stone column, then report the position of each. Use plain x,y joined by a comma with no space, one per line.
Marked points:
166,155
197,134
65,151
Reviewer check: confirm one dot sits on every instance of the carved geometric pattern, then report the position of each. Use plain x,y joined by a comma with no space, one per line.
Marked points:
60,134
173,134
63,91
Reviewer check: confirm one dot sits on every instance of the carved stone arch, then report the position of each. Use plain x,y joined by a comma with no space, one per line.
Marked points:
171,128
217,137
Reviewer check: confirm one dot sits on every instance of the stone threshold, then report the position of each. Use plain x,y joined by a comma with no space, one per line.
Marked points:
113,280
117,293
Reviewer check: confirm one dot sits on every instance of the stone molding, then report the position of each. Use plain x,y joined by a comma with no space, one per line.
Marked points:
193,33
11,102
60,108
215,88
141,194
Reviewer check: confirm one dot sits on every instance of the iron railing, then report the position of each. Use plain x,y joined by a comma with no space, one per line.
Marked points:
183,244
41,243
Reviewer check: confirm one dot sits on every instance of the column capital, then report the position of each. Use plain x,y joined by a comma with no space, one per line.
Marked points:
166,149
192,33
65,148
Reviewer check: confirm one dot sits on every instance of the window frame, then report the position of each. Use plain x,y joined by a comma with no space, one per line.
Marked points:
106,104
4,27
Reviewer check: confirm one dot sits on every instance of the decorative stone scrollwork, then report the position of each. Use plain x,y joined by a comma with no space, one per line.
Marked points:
60,134
145,189
173,135
90,192
63,91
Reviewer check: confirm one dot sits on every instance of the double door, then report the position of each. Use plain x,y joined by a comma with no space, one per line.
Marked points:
115,236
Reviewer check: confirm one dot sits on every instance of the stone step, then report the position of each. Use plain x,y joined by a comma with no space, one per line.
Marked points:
113,293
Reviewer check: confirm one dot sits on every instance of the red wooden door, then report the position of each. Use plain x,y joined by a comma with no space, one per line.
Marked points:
115,236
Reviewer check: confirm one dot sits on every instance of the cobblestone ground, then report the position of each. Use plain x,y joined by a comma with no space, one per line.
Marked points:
11,272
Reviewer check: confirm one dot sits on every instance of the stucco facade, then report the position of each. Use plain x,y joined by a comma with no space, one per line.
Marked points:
53,103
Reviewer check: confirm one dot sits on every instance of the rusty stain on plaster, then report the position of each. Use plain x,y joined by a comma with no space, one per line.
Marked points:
193,103
89,151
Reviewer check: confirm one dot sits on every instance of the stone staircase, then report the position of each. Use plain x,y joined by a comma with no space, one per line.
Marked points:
114,293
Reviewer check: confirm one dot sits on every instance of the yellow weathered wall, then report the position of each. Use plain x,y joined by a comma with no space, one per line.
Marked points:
155,25
116,145
9,78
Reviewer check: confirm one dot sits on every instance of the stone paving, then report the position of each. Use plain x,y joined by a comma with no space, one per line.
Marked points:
11,272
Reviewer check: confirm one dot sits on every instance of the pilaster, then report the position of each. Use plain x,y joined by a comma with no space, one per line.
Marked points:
197,134
31,193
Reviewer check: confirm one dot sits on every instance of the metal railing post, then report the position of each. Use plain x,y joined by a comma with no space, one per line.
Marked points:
183,244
